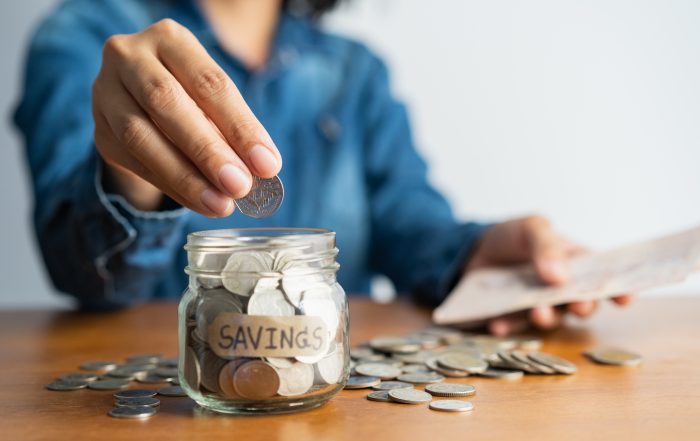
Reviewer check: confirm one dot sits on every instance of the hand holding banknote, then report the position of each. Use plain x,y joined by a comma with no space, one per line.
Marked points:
532,240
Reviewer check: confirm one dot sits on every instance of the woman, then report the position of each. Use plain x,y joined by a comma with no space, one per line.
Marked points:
191,99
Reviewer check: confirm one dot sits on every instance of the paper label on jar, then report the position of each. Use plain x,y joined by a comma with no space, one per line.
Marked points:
233,334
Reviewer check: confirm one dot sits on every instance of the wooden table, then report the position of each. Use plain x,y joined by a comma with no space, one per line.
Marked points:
657,400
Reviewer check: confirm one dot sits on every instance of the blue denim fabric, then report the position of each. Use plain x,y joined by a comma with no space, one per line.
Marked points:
350,164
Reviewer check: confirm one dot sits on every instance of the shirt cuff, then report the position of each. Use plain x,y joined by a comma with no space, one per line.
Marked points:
114,227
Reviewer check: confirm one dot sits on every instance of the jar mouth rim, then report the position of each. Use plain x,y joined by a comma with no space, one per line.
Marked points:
259,233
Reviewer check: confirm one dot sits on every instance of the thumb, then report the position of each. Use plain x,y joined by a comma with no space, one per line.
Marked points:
547,251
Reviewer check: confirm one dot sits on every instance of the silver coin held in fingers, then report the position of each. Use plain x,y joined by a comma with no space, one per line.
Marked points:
264,198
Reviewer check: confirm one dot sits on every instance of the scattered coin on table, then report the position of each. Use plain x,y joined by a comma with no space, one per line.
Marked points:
614,357
451,405
361,382
379,395
450,390
409,396
388,385
421,378
172,391
66,385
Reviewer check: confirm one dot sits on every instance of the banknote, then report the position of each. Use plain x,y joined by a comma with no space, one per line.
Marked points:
492,292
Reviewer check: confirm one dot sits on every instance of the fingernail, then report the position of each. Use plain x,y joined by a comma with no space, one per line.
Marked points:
236,182
219,204
263,161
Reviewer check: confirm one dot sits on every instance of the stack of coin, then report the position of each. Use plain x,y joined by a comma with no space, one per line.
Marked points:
278,279
134,404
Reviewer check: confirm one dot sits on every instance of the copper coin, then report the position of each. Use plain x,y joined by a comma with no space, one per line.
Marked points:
256,380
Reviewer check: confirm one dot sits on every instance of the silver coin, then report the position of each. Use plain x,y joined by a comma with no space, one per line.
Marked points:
462,361
615,357
280,362
419,378
270,303
450,390
296,279
506,374
109,384
98,366
427,341
212,303
415,358
363,352
409,396
389,385
432,364
380,370
264,198
78,376
166,372
451,405
379,395
507,361
292,256
329,369
129,372
63,385
134,412
446,335
135,393
401,345
242,270
317,300
523,358
151,378
361,382
266,283
172,391
295,380
557,363
137,401
528,343
168,363
415,368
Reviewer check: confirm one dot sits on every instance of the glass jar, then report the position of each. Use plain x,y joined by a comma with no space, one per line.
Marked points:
263,323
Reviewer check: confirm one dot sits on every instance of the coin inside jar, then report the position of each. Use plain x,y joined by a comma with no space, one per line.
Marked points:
256,380
296,379
226,377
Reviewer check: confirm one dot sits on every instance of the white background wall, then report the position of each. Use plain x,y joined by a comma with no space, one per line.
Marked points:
587,112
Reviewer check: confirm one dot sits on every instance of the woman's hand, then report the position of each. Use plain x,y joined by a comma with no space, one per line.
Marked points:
168,119
532,239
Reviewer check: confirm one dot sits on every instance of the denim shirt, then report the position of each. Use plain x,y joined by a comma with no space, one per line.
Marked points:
350,164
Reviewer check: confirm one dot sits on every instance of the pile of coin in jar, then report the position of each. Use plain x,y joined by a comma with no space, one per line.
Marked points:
267,326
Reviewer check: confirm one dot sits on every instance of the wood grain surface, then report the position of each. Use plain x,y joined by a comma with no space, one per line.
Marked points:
659,400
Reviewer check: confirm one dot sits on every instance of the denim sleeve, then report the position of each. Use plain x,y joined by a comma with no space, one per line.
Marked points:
95,246
416,240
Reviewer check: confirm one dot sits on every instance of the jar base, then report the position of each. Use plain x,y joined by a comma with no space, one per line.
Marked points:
257,408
